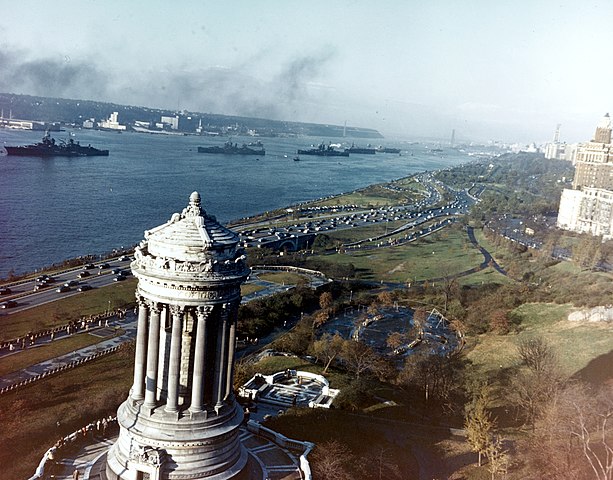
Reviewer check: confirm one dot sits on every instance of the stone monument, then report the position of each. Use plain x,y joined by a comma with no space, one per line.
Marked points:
181,420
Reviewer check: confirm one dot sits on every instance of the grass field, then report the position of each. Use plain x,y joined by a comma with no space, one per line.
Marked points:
350,235
47,350
248,288
282,278
575,343
68,309
378,195
441,254
74,398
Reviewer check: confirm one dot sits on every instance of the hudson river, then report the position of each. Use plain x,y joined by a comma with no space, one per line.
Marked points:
52,209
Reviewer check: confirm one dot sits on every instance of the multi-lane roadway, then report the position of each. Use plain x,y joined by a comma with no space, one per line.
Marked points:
30,293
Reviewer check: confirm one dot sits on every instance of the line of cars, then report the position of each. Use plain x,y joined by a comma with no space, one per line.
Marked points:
45,281
120,275
8,303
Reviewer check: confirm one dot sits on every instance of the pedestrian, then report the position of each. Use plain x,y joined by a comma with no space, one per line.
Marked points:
75,475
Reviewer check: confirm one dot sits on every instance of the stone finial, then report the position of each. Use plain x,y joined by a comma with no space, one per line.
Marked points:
194,208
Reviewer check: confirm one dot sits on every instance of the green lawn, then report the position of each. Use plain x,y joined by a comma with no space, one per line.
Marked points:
46,350
438,255
575,343
378,195
74,398
249,288
350,235
67,309
488,275
282,278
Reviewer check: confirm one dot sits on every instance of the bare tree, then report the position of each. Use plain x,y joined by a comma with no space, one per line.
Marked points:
359,358
573,438
328,348
498,457
385,467
450,290
591,427
420,316
537,354
329,461
437,376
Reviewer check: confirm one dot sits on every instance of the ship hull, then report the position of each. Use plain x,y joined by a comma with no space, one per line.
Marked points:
223,151
50,152
323,153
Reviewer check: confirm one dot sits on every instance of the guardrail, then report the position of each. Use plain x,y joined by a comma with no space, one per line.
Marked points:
50,455
282,441
63,368
288,268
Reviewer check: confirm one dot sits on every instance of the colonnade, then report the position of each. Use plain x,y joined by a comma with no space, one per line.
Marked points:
208,385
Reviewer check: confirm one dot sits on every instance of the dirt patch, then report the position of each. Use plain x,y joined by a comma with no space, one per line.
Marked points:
397,268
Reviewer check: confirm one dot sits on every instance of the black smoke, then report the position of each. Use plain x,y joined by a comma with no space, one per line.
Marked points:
236,90
51,77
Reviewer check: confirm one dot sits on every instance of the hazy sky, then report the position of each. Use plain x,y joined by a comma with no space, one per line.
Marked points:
491,69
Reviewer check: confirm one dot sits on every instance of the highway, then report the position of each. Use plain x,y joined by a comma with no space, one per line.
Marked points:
315,220
26,297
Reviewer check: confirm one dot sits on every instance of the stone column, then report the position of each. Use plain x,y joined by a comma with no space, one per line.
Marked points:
199,360
232,319
138,389
174,362
220,368
152,356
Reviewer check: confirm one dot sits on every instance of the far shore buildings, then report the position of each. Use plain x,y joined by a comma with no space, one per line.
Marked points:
588,206
561,150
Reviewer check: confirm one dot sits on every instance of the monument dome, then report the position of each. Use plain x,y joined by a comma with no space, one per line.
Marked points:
181,420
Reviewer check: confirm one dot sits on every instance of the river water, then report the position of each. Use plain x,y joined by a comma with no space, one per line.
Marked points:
52,209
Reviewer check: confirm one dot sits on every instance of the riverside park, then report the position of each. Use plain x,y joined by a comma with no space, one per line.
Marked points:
405,296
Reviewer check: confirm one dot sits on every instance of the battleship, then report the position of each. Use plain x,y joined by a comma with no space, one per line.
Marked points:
324,150
230,148
368,150
381,149
49,148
